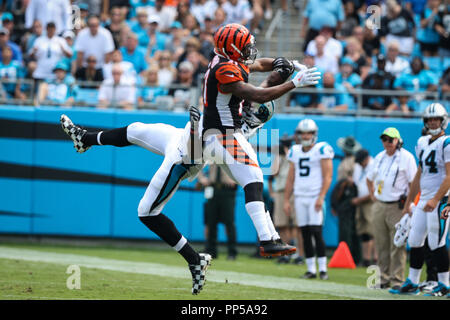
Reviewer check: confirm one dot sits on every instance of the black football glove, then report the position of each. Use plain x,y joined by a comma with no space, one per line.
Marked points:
284,67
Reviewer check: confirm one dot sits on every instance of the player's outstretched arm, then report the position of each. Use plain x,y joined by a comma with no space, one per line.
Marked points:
250,92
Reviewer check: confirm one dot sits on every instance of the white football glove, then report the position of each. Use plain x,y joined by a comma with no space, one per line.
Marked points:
306,77
298,66
403,227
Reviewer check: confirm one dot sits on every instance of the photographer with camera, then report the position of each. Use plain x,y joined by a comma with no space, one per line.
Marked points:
388,182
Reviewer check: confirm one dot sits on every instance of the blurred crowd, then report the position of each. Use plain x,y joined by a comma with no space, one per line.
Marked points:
114,53
128,53
377,45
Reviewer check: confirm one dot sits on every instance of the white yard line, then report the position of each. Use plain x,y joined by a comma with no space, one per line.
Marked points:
220,276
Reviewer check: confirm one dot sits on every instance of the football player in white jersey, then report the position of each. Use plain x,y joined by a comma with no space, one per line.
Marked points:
432,180
309,177
175,145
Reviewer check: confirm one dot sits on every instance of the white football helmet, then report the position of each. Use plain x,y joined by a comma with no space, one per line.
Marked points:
435,110
307,125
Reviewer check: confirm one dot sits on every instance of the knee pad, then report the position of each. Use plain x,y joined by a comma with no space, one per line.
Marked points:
254,192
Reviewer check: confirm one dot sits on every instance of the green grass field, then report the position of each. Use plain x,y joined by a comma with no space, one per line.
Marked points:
39,271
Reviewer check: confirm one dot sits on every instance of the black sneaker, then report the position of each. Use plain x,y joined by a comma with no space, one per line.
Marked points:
407,288
74,132
283,259
323,275
439,291
309,275
198,272
298,260
275,248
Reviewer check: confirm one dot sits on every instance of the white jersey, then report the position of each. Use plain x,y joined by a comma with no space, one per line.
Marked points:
308,170
432,158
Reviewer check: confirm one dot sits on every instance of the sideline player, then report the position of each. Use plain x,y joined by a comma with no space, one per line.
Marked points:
433,181
309,177
224,89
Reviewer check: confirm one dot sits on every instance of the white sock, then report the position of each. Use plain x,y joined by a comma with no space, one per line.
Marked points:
273,231
414,275
311,264
322,262
443,278
257,213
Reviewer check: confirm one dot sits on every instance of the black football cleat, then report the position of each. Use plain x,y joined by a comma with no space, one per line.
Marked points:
275,248
323,275
309,275
198,272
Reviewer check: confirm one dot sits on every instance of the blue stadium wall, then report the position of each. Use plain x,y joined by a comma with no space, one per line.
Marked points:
46,188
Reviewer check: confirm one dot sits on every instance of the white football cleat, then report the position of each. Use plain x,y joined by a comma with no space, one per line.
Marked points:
198,272
74,132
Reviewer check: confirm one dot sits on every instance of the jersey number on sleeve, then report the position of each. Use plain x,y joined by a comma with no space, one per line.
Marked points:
304,168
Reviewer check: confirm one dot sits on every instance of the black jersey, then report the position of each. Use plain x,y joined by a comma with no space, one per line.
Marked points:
222,110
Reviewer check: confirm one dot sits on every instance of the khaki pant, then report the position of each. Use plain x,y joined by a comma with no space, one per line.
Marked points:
391,260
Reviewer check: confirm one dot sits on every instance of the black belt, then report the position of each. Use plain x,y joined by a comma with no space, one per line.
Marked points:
388,202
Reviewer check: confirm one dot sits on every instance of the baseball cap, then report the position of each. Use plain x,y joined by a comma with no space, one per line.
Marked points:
4,31
83,6
391,132
176,25
69,34
61,66
7,16
186,65
154,18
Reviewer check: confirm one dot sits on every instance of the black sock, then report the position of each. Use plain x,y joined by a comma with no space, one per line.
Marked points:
440,259
115,137
90,139
189,254
417,257
164,228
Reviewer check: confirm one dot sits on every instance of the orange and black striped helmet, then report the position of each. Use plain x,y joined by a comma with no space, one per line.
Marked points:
235,42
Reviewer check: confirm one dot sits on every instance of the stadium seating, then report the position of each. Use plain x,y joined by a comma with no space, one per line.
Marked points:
88,96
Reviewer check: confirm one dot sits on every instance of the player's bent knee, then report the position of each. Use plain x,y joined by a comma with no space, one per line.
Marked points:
254,192
134,131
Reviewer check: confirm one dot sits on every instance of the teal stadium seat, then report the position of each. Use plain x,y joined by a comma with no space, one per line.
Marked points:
88,96
434,64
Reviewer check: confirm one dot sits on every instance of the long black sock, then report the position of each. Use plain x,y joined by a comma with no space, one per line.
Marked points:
318,239
115,137
440,259
307,241
164,228
417,257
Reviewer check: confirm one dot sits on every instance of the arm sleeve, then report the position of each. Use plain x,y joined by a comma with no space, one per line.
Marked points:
446,151
326,152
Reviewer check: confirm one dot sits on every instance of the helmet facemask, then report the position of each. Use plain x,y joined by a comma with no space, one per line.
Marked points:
309,142
435,132
248,53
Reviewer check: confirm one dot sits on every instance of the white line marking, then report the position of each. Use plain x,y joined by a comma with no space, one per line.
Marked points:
220,276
